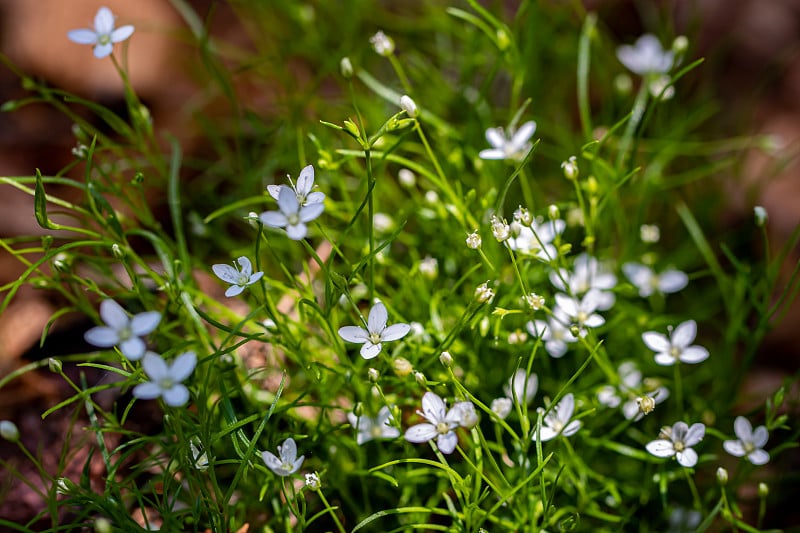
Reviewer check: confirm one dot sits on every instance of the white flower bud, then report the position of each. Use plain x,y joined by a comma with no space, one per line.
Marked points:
409,106
570,168
406,178
500,229
382,44
373,375
420,377
429,267
680,45
9,431
722,476
402,366
483,293
553,212
54,365
523,216
761,215
501,407
446,359
346,67
763,490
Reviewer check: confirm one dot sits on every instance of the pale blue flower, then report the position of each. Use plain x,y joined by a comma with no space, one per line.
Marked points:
379,427
104,35
559,420
304,189
647,281
239,279
286,462
121,330
750,443
513,148
678,346
376,333
441,423
292,215
165,379
678,441
646,57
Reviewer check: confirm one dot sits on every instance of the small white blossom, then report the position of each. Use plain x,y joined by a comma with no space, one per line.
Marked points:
429,267
555,333
761,215
513,148
649,233
647,281
500,229
406,177
642,395
523,216
165,379
304,190
286,462
483,293
467,417
502,407
292,215
474,240
750,442
379,427
534,301
382,44
678,441
582,311
557,421
122,331
587,274
522,387
441,423
382,223
570,168
239,279
104,35
678,346
517,337
312,481
646,57
376,332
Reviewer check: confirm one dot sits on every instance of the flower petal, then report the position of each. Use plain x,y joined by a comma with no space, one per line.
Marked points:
102,336
82,36
113,314
133,348
145,323
758,457
566,407
311,211
734,447
656,341
103,50
491,153
255,277
683,335
376,321
247,266
760,437
497,138
226,273
447,442
274,190
234,290
176,396
183,366
121,33
694,354
104,21
571,428
695,434
665,359
287,201
421,433
672,281
679,431
660,448
272,462
315,197
296,232
155,367
395,331
354,334
370,351
305,181
147,391
274,219
743,429
523,134
546,433
288,450
687,458
433,407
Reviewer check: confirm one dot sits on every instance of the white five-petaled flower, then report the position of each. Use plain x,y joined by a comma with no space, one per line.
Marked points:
292,215
558,420
678,441
514,148
377,332
441,423
750,443
555,332
287,462
647,281
522,387
581,311
646,56
166,380
122,331
678,346
587,274
379,427
304,189
239,279
104,35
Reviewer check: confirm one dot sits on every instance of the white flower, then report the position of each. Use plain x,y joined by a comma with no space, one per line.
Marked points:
676,347
292,215
373,428
554,332
649,233
587,274
582,311
750,443
304,190
514,148
760,215
104,35
678,441
570,168
501,407
534,301
646,56
287,463
312,481
483,293
474,240
429,267
648,281
165,380
239,279
121,330
500,229
641,394
382,44
376,332
557,421
522,387
467,417
440,425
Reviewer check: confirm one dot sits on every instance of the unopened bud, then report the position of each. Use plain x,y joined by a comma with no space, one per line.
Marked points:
346,68
722,476
402,366
763,490
570,168
553,212
9,431
382,44
761,215
680,45
421,379
102,525
54,365
446,359
409,106
117,251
